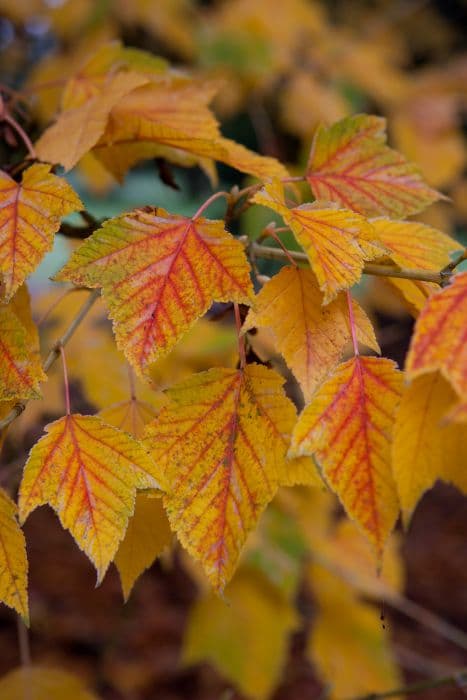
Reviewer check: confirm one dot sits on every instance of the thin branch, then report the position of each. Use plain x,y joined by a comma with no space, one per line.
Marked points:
428,619
447,271
458,678
54,353
270,253
8,119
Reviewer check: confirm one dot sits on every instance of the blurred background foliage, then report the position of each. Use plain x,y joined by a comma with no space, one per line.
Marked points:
291,628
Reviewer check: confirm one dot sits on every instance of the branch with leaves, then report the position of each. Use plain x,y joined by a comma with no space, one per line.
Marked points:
203,460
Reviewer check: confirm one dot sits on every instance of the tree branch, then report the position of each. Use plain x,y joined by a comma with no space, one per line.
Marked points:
269,253
54,353
458,678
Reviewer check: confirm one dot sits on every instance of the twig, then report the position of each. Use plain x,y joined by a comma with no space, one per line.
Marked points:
54,353
269,253
457,678
428,619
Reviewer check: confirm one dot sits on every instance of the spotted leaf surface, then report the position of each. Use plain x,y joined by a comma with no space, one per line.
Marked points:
311,337
88,472
348,427
337,241
222,458
351,164
159,273
30,214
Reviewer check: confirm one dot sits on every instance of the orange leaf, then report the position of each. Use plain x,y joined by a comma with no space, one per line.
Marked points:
88,472
351,164
348,426
426,447
13,561
311,337
337,241
159,272
222,455
30,214
78,129
20,364
439,341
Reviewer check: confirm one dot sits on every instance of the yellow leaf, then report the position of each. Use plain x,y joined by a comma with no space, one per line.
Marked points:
348,645
221,451
88,472
13,561
439,339
78,129
414,245
426,447
159,272
147,535
246,637
337,241
348,427
30,214
20,364
351,164
311,337
40,683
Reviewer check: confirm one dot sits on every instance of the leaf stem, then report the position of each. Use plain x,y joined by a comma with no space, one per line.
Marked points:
54,353
353,329
209,201
241,338
65,380
24,137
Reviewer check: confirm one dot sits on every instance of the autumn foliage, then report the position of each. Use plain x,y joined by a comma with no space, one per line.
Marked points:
241,393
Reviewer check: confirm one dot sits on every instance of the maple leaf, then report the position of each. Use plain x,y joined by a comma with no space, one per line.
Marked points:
88,472
348,426
426,447
159,273
337,241
20,364
30,214
148,534
439,341
246,639
351,164
78,129
222,456
311,337
348,645
13,561
41,683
